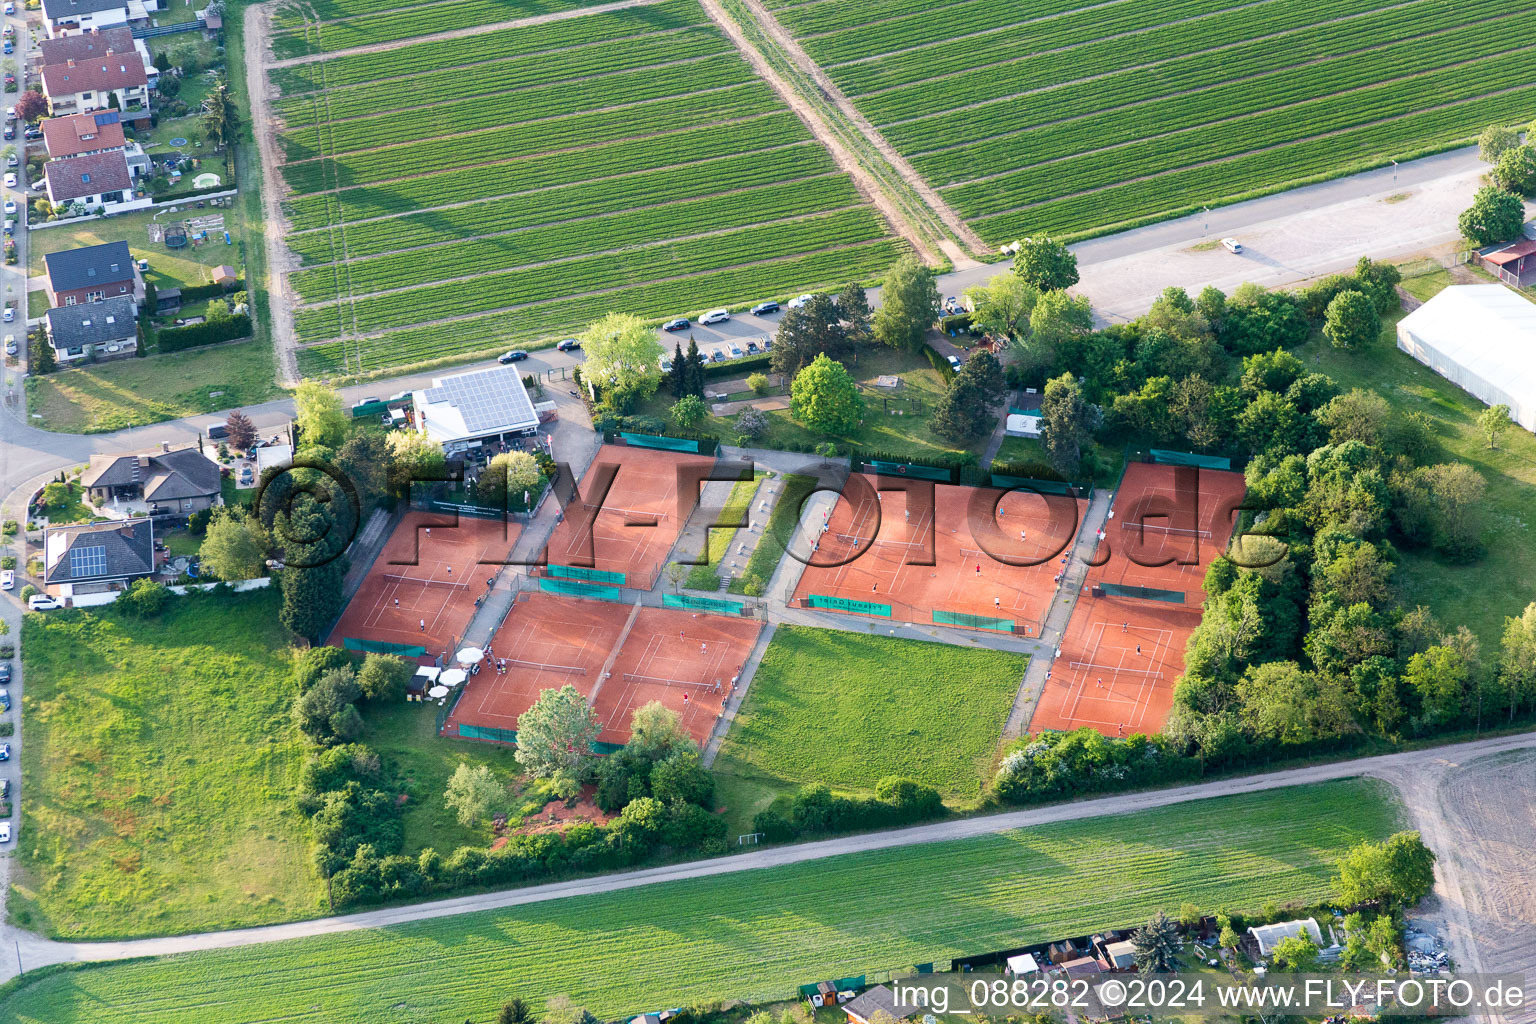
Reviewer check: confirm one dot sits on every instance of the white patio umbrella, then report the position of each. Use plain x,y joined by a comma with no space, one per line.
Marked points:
470,656
452,677
438,692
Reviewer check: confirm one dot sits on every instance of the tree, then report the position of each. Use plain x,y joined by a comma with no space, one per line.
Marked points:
825,397
235,547
1002,306
1046,264
1357,415
1155,946
319,414
143,599
31,106
964,411
1494,141
693,376
383,677
413,456
473,793
1190,915
221,120
758,382
623,357
43,359
1229,939
1067,421
1060,319
162,61
689,411
56,494
514,1011
1494,216
1351,321
751,423
554,737
909,305
325,712
509,476
1295,953
1493,422
677,377
242,432
1379,281
363,458
1517,659
679,776
1400,870
655,730
312,581
854,313
1443,680
1516,171
806,332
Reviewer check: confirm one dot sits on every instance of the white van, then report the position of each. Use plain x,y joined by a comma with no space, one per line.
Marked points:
41,603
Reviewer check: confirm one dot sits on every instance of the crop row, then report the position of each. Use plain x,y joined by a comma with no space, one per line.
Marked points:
1011,66
589,273
653,300
1027,33
812,19
389,26
1260,172
431,190
1235,99
601,61
1100,168
641,190
1199,70
628,23
332,10
643,91
753,935
525,140
564,240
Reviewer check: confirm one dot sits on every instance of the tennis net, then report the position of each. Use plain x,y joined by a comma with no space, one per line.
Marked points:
1114,668
1152,528
546,666
630,515
637,677
425,582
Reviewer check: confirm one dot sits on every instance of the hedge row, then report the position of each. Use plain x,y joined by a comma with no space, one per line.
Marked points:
174,339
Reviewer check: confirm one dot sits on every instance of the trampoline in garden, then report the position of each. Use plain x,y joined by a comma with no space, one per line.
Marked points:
178,142
175,236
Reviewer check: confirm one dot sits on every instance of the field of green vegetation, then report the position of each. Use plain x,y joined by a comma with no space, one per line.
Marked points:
159,770
326,25
759,934
847,709
1069,117
453,197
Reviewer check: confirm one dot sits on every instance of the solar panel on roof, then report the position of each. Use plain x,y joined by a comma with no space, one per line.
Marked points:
88,561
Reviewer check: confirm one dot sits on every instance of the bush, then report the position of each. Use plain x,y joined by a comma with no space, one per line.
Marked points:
758,382
175,339
143,599
27,591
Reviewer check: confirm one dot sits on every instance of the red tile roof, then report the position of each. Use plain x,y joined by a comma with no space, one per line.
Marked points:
107,172
85,45
80,133
118,71
1511,254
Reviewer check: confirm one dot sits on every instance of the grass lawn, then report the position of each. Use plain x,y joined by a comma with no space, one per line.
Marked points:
1478,594
757,934
180,542
765,558
37,304
1111,460
167,267
159,769
707,576
849,708
132,392
72,511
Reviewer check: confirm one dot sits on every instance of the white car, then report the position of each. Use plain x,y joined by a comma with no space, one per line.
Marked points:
715,316
8,579
41,603
10,180
9,314
1231,245
5,826
799,300
10,6
10,345
10,207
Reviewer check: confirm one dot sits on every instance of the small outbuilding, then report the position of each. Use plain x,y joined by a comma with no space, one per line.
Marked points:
1119,956
1023,964
1270,935
880,997
1482,338
226,275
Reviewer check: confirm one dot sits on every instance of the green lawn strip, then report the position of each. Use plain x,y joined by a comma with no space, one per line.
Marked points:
848,709
781,524
180,543
132,392
737,503
159,768
758,934
1480,593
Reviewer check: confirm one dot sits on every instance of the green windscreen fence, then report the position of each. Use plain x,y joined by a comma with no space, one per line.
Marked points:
843,604
574,589
1144,593
1170,458
576,572
969,621
488,733
715,605
1084,491
909,469
841,984
671,444
361,646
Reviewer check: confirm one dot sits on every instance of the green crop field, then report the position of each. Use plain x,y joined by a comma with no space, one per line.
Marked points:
848,708
160,766
451,198
1069,118
759,934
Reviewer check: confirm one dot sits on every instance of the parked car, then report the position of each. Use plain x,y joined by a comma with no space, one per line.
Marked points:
764,308
8,576
10,207
955,362
217,431
5,789
952,306
665,364
10,178
10,345
799,300
5,696
1231,245
735,351
715,316
5,677
10,227
517,355
5,831
10,6
41,603
717,356
9,47
568,345
33,133
9,314
751,348
10,132
5,751
680,324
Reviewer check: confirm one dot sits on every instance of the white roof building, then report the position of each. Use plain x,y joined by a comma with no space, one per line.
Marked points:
1268,935
460,411
1482,338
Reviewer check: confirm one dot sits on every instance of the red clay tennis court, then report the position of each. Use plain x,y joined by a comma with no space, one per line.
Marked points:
1124,647
421,590
969,530
627,541
687,661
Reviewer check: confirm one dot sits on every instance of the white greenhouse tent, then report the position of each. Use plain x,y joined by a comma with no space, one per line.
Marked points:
1482,338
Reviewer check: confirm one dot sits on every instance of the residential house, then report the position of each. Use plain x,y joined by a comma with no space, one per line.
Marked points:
95,181
93,330
92,273
1269,935
112,81
181,481
97,557
89,134
65,17
880,997
83,46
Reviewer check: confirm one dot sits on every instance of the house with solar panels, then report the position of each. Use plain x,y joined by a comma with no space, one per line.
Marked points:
470,409
93,558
